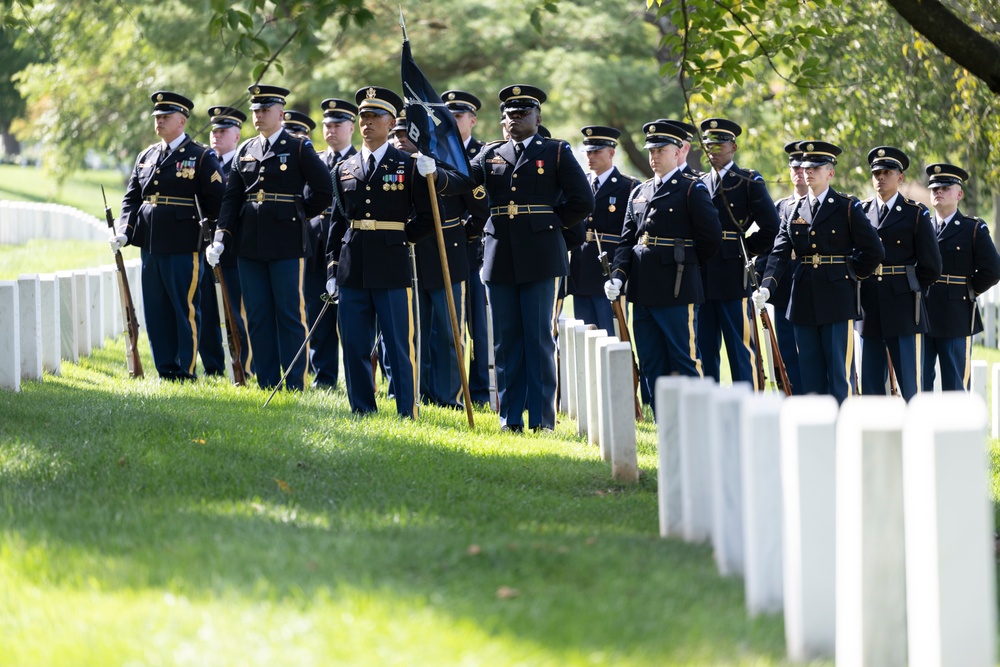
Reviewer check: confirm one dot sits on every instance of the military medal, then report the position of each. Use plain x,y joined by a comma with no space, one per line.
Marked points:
399,178
611,204
541,166
284,158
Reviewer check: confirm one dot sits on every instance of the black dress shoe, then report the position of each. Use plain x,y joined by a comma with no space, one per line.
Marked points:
512,428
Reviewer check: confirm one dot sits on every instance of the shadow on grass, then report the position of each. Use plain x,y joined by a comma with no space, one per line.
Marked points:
195,490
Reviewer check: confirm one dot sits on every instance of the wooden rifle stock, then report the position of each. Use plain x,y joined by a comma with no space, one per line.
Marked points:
232,333
784,384
619,313
759,379
128,308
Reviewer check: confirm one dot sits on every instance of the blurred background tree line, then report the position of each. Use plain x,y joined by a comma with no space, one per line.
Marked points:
78,74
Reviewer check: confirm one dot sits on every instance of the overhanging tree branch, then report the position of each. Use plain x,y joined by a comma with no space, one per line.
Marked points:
954,38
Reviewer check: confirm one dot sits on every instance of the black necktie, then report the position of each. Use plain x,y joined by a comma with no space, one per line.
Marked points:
371,166
518,149
164,152
596,184
883,211
814,206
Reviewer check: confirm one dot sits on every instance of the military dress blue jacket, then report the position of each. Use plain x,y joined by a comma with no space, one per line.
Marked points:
158,211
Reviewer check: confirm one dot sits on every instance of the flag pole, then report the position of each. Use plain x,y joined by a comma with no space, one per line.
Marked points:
450,296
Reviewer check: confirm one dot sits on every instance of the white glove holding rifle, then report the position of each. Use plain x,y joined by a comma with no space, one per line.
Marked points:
117,241
213,253
760,297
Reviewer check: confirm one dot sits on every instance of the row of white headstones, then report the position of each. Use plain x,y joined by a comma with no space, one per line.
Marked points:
45,318
868,525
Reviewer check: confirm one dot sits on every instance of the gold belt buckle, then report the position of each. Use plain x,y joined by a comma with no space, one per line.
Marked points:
878,270
152,200
590,236
816,261
644,240
511,210
260,196
368,225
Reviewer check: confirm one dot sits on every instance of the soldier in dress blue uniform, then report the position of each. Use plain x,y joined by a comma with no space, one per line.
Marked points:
893,314
159,215
671,228
742,200
225,138
464,107
836,245
461,216
277,183
324,346
971,266
536,190
611,192
381,205
783,329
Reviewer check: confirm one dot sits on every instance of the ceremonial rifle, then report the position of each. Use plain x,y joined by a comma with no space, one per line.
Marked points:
619,313
232,333
327,300
750,272
128,308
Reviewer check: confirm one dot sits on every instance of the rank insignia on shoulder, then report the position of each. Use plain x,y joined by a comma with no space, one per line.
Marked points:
216,177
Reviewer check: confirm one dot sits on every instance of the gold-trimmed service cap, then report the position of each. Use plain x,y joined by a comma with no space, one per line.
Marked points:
166,102
336,110
400,121
887,157
296,121
662,133
794,153
521,96
943,175
461,101
226,117
596,137
719,130
378,100
816,153
262,97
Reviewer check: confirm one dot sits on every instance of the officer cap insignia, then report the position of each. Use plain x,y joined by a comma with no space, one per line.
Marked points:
256,90
810,147
881,152
937,169
451,96
652,128
516,90
288,116
589,131
159,97
714,124
370,93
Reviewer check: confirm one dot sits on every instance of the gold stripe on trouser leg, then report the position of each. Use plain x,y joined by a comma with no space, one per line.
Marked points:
302,316
919,346
243,315
693,341
968,362
411,346
195,264
460,356
849,358
554,327
747,346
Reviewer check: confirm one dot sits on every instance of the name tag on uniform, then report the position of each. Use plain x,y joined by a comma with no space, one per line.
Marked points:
247,158
639,200
145,165
497,160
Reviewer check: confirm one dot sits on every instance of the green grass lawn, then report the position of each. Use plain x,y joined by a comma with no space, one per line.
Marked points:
82,190
163,524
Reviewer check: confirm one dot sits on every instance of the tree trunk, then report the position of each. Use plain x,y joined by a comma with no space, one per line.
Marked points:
954,38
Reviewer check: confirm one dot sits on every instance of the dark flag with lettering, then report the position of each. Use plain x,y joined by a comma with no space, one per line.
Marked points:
432,128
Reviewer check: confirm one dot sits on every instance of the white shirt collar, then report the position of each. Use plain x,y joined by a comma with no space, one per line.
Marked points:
227,157
379,153
177,142
948,219
722,172
602,177
666,177
892,200
821,198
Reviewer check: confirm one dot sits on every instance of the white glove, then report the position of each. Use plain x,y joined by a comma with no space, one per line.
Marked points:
213,253
426,165
760,297
117,241
331,288
613,288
